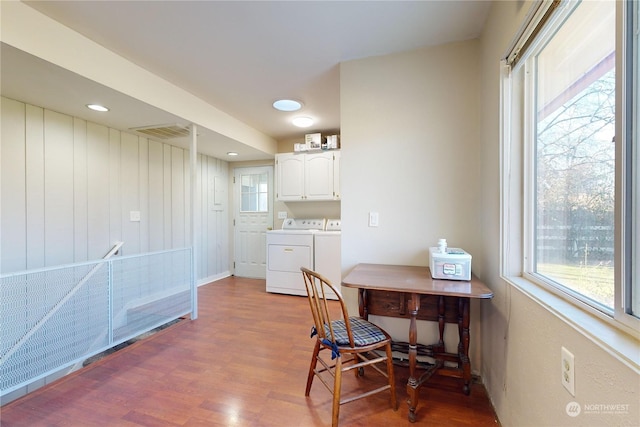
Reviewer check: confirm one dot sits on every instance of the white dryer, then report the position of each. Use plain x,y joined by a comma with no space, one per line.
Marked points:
327,258
289,249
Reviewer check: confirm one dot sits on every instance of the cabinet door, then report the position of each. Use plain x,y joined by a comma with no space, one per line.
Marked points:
290,176
336,175
318,176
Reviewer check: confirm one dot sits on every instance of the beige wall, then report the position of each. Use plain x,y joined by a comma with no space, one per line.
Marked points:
410,151
521,338
420,145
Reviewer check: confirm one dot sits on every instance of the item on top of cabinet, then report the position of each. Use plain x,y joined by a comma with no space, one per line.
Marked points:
300,146
313,141
453,264
333,142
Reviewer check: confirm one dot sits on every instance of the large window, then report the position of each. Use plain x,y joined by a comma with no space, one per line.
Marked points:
570,128
574,156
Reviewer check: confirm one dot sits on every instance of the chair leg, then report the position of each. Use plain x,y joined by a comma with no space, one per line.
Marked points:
312,367
392,381
337,386
359,371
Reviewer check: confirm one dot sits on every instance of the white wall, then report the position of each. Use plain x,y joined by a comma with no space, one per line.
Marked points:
68,187
521,338
410,151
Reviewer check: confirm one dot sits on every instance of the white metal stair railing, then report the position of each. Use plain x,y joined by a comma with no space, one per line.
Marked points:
114,250
53,318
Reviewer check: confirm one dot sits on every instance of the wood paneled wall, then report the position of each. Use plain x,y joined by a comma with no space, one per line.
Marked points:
68,186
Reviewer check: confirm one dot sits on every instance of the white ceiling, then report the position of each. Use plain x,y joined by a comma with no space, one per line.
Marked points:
240,56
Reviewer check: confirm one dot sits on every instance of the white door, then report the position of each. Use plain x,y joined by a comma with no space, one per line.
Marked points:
253,217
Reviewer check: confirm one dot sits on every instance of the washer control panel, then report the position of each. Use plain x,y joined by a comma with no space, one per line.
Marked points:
303,224
333,225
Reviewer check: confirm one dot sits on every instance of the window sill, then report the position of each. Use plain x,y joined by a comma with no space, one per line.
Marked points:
602,332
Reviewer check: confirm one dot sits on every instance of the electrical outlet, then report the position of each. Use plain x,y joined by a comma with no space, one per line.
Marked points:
568,371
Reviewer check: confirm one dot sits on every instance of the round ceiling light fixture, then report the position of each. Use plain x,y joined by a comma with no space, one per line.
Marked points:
303,122
287,105
232,153
97,107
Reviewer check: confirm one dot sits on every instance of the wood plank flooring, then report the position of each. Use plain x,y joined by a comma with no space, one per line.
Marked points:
243,362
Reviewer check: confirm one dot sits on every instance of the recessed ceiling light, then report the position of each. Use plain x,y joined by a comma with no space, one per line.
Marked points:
303,122
287,105
97,107
232,153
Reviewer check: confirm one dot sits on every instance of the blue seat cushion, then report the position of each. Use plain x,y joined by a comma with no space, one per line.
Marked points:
364,333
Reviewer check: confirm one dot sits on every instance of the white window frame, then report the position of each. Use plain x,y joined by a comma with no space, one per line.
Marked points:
619,332
628,168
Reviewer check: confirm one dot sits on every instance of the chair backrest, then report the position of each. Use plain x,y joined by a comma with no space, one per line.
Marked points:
317,287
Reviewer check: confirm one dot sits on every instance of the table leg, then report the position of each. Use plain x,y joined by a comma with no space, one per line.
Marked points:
412,384
463,346
440,347
363,304
460,338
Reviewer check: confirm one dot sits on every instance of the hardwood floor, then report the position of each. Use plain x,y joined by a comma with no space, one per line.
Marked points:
243,362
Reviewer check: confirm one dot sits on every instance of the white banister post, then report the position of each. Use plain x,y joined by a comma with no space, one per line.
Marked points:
193,204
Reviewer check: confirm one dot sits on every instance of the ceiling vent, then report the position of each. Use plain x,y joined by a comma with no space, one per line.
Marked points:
164,131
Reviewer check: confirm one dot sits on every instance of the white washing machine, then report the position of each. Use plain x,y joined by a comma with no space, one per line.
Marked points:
327,258
289,249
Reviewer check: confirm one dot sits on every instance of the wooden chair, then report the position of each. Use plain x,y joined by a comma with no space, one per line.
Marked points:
356,338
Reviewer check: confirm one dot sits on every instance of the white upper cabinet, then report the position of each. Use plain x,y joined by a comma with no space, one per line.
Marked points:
306,176
336,175
290,176
318,176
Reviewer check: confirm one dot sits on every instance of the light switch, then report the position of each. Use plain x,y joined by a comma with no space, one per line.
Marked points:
282,214
134,216
373,219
